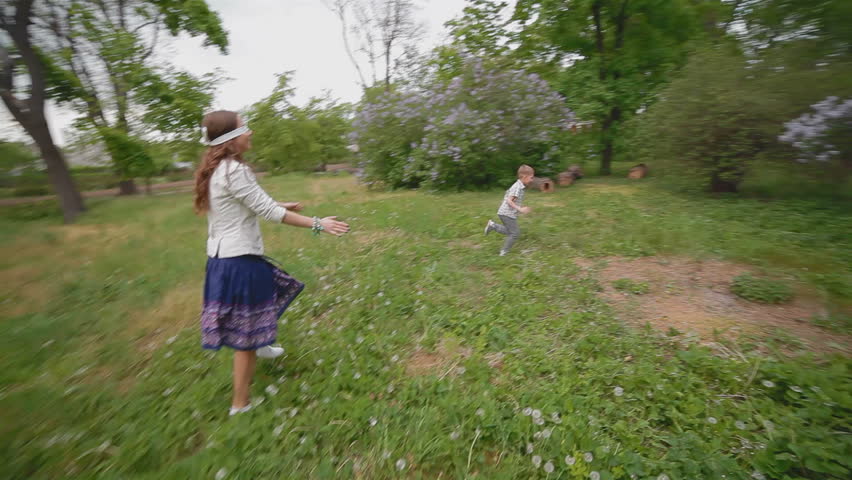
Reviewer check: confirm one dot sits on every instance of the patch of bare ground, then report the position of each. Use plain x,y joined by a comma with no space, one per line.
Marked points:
442,361
693,296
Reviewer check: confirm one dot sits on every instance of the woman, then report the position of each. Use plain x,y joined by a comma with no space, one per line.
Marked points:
244,294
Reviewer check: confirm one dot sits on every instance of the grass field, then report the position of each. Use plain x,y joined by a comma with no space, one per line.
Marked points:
417,352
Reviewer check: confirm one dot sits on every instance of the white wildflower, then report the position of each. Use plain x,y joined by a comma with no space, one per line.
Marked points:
712,420
400,464
548,467
271,389
588,457
454,435
768,383
570,460
480,412
538,421
536,459
395,358
359,339
618,391
796,389
527,411
595,476
536,413
357,375
277,430
373,421
555,418
546,433
530,448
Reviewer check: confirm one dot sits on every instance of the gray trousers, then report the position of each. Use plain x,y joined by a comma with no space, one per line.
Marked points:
510,229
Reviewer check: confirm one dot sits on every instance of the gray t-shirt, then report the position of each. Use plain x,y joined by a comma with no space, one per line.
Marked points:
516,190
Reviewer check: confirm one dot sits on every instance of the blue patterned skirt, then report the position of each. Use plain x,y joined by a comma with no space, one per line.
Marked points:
243,299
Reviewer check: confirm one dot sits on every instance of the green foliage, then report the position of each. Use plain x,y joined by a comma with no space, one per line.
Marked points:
16,156
129,154
290,138
627,285
762,290
173,102
715,131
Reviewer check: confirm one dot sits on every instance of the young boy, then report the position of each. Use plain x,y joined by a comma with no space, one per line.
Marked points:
510,208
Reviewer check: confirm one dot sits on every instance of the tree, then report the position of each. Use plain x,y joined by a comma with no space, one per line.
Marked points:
102,61
713,121
385,32
26,104
609,55
292,138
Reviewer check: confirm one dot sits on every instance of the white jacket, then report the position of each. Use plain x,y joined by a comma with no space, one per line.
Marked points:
236,200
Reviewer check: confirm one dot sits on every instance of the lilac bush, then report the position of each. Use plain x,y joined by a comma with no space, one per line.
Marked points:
824,135
470,132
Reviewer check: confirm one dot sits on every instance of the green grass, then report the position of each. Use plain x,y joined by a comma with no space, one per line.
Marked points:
102,373
761,290
627,285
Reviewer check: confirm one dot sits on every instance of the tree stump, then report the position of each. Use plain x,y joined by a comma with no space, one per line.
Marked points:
543,184
576,171
638,171
566,179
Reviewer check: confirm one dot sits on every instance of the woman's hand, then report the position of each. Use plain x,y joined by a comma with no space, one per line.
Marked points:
525,210
332,226
294,206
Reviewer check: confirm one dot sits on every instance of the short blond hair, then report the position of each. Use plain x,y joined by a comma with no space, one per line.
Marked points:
525,170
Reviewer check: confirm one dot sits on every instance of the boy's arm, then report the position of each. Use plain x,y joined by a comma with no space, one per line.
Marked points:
511,202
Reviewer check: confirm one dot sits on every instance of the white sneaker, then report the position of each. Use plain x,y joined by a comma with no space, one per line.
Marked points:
234,410
502,253
488,227
269,352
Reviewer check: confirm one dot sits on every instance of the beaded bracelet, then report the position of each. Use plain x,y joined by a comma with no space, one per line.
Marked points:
317,226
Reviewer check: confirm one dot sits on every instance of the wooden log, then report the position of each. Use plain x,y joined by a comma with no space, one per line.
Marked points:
566,179
638,171
543,184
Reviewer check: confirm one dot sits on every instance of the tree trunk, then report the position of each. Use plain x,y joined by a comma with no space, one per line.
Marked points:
127,187
608,141
606,156
720,185
70,199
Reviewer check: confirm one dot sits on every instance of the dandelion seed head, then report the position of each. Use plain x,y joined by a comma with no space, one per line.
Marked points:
271,389
570,460
740,424
796,388
454,435
527,411
530,448
546,433
357,375
536,413
480,412
588,457
538,421
768,383
536,460
712,420
662,476
618,391
595,476
400,464
373,421
548,467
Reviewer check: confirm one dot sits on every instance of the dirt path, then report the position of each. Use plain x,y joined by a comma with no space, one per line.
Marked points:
170,187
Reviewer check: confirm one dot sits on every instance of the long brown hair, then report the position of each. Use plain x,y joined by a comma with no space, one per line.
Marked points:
217,123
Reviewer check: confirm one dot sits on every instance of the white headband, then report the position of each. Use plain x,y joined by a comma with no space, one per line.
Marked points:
222,138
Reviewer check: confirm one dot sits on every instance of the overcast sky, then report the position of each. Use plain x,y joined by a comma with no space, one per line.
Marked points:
269,37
